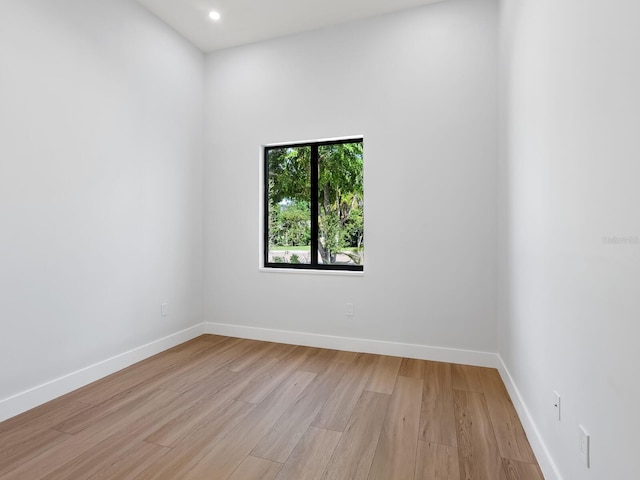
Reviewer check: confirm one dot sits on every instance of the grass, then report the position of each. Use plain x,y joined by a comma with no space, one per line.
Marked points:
306,248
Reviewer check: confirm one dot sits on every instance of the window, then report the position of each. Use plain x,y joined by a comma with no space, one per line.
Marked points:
314,206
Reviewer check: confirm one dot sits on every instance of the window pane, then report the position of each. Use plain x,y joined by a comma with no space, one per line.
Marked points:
289,191
340,204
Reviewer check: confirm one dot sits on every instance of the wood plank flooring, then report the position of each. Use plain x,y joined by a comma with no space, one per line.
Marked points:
220,408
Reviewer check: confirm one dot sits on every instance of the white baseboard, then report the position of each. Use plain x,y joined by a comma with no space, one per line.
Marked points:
547,465
422,352
16,404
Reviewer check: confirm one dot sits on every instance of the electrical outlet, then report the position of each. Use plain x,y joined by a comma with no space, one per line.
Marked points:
584,445
349,309
557,405
164,309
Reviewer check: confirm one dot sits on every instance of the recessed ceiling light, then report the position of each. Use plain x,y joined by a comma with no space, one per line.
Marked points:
213,15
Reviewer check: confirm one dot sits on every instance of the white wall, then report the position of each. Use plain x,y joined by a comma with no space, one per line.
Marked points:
570,303
421,87
100,185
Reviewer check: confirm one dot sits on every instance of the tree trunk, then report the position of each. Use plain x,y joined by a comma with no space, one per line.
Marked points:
322,251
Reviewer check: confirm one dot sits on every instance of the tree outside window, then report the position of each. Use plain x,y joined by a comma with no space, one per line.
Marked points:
314,196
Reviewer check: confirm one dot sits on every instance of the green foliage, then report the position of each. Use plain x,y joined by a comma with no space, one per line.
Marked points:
340,199
289,224
340,172
289,177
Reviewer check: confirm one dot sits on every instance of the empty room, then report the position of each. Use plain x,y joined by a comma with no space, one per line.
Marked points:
339,240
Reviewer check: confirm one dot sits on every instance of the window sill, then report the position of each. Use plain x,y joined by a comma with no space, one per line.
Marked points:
296,271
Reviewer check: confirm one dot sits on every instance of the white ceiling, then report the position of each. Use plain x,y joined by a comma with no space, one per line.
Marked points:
248,21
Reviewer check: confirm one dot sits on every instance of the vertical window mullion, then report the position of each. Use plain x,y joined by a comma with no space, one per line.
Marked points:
314,205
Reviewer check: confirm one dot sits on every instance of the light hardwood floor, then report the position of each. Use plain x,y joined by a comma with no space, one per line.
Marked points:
225,408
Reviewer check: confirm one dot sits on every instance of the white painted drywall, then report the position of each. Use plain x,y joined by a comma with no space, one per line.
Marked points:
570,302
421,87
100,185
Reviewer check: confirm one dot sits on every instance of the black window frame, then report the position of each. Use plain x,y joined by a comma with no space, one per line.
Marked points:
314,264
